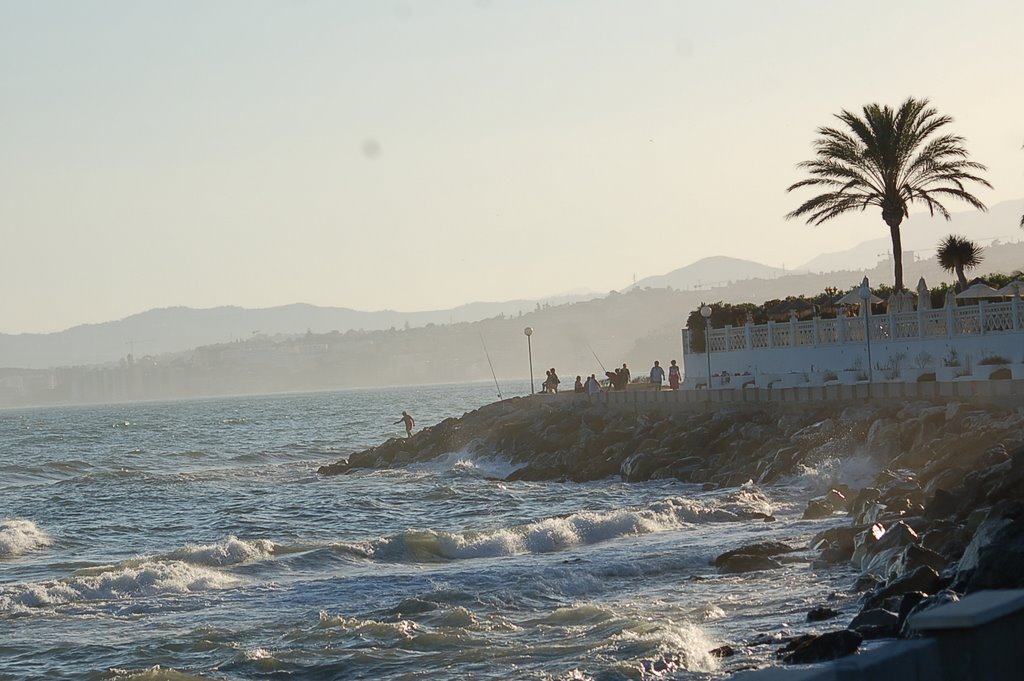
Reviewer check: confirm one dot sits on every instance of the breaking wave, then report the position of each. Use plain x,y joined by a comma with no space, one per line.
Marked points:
231,551
21,536
557,533
115,583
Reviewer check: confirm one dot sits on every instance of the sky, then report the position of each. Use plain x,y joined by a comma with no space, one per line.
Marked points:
420,155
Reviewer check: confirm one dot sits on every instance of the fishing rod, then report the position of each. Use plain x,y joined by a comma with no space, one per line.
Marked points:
596,357
491,365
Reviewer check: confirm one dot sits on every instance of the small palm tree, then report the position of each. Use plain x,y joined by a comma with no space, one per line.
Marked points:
956,254
888,159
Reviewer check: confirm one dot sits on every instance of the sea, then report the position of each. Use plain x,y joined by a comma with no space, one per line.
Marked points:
194,539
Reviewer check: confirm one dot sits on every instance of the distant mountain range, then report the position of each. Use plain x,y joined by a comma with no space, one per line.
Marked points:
179,329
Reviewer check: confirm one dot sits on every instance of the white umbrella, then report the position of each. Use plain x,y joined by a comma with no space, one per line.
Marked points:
978,291
1014,288
853,298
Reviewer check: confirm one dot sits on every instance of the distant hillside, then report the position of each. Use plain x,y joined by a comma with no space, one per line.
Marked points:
711,272
920,233
179,329
176,329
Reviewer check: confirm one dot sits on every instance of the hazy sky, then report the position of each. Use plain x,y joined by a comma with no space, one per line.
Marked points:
419,155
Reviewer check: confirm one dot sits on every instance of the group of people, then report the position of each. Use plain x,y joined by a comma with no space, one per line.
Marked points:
658,375
550,384
617,380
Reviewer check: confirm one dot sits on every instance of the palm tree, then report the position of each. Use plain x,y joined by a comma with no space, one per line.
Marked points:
888,159
956,254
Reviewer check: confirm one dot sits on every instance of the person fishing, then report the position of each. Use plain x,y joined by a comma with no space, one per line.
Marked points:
409,422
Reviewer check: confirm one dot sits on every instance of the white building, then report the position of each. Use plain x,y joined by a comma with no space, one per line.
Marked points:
972,342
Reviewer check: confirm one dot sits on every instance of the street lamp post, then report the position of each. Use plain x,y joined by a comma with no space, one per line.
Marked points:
529,348
705,312
865,296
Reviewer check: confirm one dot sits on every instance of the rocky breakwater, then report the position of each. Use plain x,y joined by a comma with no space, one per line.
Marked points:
570,439
943,518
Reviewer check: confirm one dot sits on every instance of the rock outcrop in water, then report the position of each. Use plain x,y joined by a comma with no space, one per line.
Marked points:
568,439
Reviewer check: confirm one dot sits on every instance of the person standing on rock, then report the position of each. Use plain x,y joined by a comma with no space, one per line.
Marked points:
553,381
625,376
657,375
409,422
593,387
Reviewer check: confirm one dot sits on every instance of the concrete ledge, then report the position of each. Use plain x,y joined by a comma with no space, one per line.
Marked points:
980,608
976,639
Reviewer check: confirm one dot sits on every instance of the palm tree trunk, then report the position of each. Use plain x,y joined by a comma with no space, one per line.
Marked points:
959,269
897,254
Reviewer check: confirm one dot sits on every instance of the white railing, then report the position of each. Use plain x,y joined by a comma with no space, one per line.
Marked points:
949,322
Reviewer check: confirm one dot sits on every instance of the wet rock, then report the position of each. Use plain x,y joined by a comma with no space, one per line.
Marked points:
913,557
907,605
927,603
984,535
747,563
722,652
876,623
821,613
818,508
942,504
1000,563
879,546
763,549
922,579
828,646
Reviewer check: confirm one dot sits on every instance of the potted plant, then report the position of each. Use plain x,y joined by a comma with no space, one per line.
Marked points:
991,364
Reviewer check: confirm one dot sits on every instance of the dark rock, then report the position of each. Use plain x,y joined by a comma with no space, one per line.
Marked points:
765,548
746,563
942,504
877,618
907,605
1001,563
915,556
818,508
829,646
821,613
867,583
933,601
722,651
923,579
866,496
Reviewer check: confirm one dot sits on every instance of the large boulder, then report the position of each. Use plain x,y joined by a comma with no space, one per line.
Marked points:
1000,563
828,646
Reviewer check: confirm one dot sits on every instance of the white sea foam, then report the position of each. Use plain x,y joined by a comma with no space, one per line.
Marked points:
231,551
156,673
470,464
116,583
557,533
855,470
19,536
665,637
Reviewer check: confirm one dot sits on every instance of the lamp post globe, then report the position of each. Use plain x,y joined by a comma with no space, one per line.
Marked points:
528,331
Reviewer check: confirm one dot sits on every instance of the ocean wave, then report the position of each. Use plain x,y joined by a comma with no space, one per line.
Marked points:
464,463
231,551
557,533
666,646
155,673
21,536
113,584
